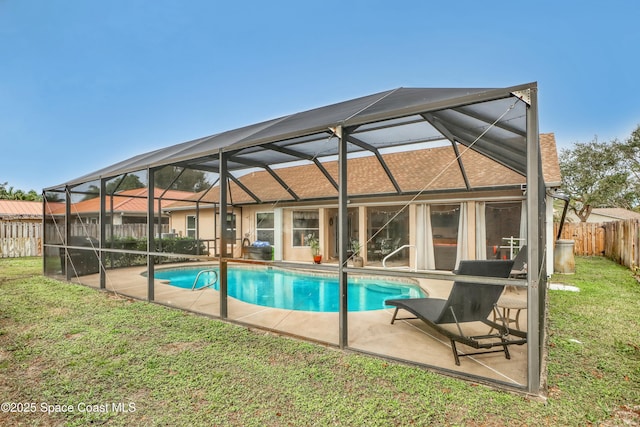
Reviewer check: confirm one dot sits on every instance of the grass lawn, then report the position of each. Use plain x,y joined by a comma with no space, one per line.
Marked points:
70,355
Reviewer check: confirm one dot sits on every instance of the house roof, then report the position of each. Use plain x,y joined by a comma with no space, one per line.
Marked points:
550,163
20,209
132,201
414,171
493,122
616,213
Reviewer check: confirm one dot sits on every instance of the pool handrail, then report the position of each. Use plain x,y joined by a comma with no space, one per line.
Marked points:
195,282
384,261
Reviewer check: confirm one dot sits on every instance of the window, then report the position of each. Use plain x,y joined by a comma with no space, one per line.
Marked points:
191,226
502,221
231,226
304,223
264,227
444,226
387,230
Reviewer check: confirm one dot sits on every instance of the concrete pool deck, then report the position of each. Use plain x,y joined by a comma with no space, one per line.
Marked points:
368,331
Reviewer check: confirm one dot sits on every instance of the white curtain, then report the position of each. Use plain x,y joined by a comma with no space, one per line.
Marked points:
463,235
523,223
429,259
481,231
420,238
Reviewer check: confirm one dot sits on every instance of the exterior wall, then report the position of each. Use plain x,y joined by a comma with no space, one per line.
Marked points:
302,253
471,229
285,250
551,238
178,221
208,227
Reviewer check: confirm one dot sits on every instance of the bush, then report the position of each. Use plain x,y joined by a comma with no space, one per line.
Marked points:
176,245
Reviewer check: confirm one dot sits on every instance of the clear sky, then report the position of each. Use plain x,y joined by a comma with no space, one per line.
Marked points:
87,83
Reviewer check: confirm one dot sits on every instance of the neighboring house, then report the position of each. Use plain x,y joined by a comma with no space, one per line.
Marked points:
125,214
599,215
126,207
20,228
436,231
20,211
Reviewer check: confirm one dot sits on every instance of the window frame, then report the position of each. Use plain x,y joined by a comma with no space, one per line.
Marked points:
307,230
271,229
193,229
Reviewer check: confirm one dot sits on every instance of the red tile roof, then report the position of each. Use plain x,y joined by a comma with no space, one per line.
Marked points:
20,209
127,201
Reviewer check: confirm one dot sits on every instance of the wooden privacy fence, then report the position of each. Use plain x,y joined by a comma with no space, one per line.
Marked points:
55,233
20,239
589,237
121,231
617,240
623,242
23,239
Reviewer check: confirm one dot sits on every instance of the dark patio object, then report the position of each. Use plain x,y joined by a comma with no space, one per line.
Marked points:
82,261
258,251
467,302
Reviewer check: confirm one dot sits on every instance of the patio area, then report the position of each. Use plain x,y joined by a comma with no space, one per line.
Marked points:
369,332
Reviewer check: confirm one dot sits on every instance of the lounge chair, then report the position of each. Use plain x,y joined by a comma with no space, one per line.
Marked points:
519,269
467,302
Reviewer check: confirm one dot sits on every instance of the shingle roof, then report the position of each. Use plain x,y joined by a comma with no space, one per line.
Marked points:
616,213
414,171
550,163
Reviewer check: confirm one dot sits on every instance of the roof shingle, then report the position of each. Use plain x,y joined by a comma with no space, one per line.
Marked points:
417,170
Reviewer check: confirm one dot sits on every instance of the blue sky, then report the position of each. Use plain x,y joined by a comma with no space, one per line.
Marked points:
84,84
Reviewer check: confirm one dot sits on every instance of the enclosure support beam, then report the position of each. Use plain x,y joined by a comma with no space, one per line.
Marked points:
447,133
67,233
198,226
381,161
223,233
343,238
270,172
303,156
245,189
489,120
151,241
103,234
535,238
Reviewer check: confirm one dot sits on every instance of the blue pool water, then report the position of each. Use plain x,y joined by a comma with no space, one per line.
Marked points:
295,291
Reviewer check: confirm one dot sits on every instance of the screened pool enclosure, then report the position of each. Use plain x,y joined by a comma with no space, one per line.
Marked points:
392,191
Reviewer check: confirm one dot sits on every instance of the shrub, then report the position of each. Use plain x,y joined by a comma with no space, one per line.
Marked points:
177,245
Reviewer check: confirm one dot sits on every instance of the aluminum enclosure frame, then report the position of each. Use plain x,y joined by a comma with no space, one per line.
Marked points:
501,124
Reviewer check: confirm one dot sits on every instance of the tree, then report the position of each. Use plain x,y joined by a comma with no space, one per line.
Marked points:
177,179
595,174
9,193
630,154
127,182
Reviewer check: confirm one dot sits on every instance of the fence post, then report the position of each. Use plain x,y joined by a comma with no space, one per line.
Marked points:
20,239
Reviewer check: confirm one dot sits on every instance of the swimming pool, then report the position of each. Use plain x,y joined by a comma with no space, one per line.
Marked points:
295,290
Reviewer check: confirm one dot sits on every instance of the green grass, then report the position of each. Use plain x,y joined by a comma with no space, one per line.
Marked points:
63,344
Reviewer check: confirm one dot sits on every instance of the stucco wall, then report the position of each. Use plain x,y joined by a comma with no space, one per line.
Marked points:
285,250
